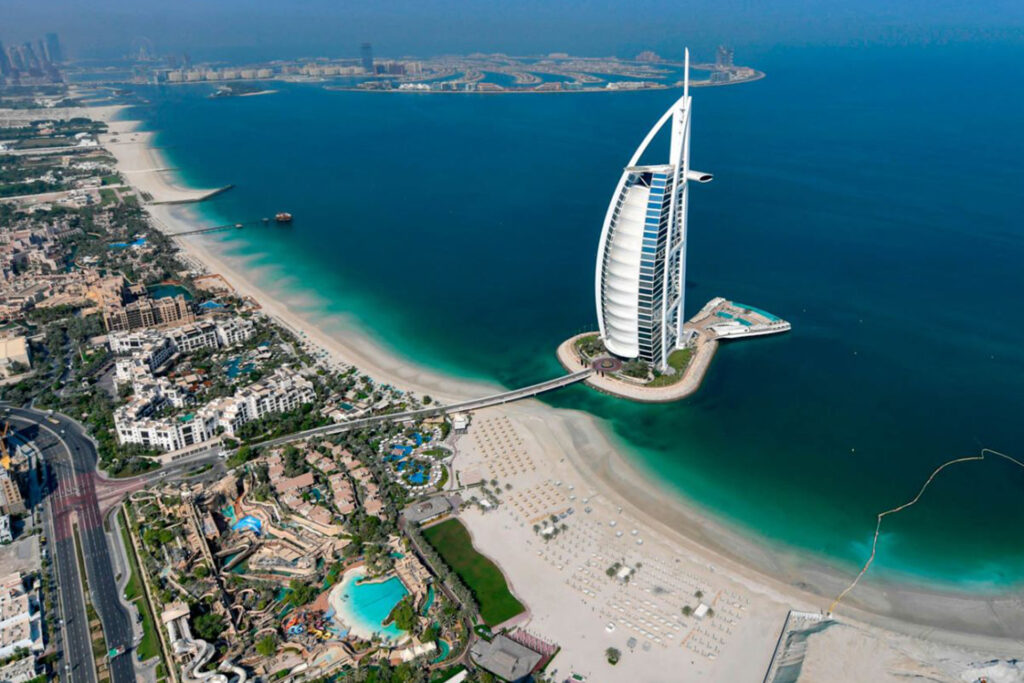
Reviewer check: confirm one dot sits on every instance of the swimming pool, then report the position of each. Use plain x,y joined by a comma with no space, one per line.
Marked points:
445,650
428,601
124,245
234,367
364,606
754,309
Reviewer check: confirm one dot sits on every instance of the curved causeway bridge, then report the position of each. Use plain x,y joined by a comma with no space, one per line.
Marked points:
464,406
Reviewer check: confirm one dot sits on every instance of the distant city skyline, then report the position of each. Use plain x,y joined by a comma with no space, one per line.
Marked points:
231,28
31,62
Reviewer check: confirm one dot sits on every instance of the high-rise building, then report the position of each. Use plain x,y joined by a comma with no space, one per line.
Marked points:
723,57
366,51
641,258
53,51
17,57
5,62
28,56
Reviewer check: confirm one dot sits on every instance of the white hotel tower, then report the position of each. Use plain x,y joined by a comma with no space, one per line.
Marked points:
641,258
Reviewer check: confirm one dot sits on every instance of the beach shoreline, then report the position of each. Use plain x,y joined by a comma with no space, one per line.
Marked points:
596,455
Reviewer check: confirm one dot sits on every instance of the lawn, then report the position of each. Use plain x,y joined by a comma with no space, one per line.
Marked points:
452,542
678,359
150,645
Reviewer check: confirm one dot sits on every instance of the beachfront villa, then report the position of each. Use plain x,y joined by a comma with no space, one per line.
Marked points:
641,259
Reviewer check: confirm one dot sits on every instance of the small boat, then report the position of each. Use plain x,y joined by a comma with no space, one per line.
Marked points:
283,217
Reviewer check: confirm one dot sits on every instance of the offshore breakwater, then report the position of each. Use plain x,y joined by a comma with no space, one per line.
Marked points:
461,233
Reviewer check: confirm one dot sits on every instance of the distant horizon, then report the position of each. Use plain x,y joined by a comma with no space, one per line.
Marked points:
231,29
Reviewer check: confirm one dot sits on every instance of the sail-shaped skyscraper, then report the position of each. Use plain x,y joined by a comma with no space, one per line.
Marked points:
641,258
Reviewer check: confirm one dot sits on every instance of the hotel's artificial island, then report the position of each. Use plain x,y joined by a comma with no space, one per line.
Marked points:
645,349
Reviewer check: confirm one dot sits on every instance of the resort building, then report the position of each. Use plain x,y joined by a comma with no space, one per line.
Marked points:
155,347
231,331
190,338
283,391
505,658
165,435
147,312
641,259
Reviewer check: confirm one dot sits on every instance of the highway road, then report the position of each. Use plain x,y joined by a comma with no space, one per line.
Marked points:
70,500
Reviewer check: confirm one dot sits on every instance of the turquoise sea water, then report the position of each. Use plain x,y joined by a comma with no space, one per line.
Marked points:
870,196
369,604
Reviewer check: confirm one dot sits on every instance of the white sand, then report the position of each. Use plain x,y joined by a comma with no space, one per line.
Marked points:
682,547
144,167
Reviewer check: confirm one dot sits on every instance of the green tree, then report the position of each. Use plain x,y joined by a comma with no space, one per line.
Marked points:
404,615
267,645
208,626
301,593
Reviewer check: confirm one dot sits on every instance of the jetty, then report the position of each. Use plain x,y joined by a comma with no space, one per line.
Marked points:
229,226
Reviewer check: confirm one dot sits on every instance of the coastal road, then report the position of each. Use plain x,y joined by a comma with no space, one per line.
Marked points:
71,502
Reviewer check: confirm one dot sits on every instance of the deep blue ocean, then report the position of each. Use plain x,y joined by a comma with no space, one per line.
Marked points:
871,196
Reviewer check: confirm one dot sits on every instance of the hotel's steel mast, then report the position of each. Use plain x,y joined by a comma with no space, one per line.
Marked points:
641,261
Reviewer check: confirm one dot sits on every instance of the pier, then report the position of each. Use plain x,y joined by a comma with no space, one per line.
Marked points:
218,228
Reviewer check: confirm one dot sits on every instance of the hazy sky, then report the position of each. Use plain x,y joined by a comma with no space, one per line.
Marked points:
289,28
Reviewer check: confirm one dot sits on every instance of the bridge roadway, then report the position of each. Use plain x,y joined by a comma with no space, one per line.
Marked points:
464,406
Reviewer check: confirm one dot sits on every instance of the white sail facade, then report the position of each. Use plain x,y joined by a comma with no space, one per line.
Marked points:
641,259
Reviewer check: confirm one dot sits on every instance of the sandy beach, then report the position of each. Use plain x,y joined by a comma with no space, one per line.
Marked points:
548,461
143,166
